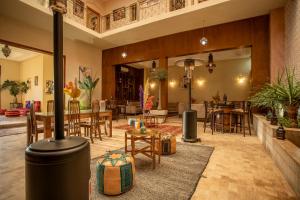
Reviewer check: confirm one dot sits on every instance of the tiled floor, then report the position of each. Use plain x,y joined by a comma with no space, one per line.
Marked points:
239,168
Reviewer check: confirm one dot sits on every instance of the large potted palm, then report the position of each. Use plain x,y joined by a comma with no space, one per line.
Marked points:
88,84
287,90
15,88
160,75
267,98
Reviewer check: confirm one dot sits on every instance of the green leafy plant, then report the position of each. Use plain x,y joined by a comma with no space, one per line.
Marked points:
287,88
160,75
284,92
15,88
88,84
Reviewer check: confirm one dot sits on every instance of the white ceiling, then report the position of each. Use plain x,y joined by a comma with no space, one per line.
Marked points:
218,56
18,54
213,12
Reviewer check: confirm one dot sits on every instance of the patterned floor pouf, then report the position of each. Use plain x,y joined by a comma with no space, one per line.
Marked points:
115,173
168,144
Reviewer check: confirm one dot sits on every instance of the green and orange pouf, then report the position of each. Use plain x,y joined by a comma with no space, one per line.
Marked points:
168,144
115,173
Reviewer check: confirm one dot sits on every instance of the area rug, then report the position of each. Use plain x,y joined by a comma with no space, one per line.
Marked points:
175,178
12,131
176,130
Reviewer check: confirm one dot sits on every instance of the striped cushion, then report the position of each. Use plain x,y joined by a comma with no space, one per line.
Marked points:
115,173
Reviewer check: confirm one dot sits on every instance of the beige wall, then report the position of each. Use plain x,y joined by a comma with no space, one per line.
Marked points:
292,35
10,70
28,70
223,79
77,53
48,74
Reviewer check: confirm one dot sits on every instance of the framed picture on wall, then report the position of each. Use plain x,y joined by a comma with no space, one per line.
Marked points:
84,72
78,8
36,80
49,87
119,14
92,19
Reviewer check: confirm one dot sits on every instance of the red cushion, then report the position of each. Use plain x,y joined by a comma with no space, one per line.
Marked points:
12,113
2,111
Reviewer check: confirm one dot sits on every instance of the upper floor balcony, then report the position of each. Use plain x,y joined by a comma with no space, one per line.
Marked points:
124,22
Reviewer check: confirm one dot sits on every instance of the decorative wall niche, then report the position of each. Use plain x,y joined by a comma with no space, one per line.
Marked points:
78,8
119,14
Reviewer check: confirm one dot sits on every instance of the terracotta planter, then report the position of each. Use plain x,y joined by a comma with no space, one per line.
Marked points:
292,114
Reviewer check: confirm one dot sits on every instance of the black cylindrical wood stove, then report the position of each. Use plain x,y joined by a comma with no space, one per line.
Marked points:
59,168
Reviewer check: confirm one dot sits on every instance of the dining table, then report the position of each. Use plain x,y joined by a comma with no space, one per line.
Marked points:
47,118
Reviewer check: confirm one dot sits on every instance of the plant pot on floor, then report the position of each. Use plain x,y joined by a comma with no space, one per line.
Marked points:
292,112
274,120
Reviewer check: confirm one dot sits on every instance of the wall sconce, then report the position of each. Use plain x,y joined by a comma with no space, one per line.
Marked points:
241,79
152,85
172,83
200,82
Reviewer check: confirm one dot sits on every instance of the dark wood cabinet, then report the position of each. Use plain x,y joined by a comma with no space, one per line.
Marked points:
128,80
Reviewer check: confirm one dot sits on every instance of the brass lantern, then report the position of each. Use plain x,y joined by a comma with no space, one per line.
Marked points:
58,6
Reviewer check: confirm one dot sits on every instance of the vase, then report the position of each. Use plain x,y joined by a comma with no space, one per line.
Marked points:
292,115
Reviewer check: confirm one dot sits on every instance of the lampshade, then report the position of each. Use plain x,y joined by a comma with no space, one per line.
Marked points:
58,6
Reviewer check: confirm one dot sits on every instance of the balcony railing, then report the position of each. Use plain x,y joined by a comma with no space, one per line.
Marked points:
141,10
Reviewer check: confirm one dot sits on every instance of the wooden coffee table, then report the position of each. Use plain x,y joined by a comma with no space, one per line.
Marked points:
149,138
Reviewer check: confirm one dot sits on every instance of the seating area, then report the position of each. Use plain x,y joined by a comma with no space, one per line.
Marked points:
149,100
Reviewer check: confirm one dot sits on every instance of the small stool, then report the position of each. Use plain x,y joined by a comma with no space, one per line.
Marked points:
115,173
168,144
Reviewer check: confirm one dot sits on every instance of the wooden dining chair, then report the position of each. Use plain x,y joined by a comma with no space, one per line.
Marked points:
208,116
74,126
50,106
241,116
93,127
32,129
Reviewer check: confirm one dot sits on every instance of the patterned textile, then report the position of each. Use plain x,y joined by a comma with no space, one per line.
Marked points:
115,173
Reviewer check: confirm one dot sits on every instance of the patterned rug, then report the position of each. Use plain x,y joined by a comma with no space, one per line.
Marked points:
176,130
176,178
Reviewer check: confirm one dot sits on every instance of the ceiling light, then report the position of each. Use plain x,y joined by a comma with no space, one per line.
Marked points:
6,51
124,54
153,68
203,41
210,65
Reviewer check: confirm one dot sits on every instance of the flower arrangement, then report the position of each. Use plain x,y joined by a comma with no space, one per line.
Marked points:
72,89
149,103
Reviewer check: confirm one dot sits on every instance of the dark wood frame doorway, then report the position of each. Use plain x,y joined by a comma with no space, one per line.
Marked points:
22,46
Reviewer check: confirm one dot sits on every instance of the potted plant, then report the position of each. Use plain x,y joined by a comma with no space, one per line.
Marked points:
159,75
287,90
88,84
267,98
15,88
